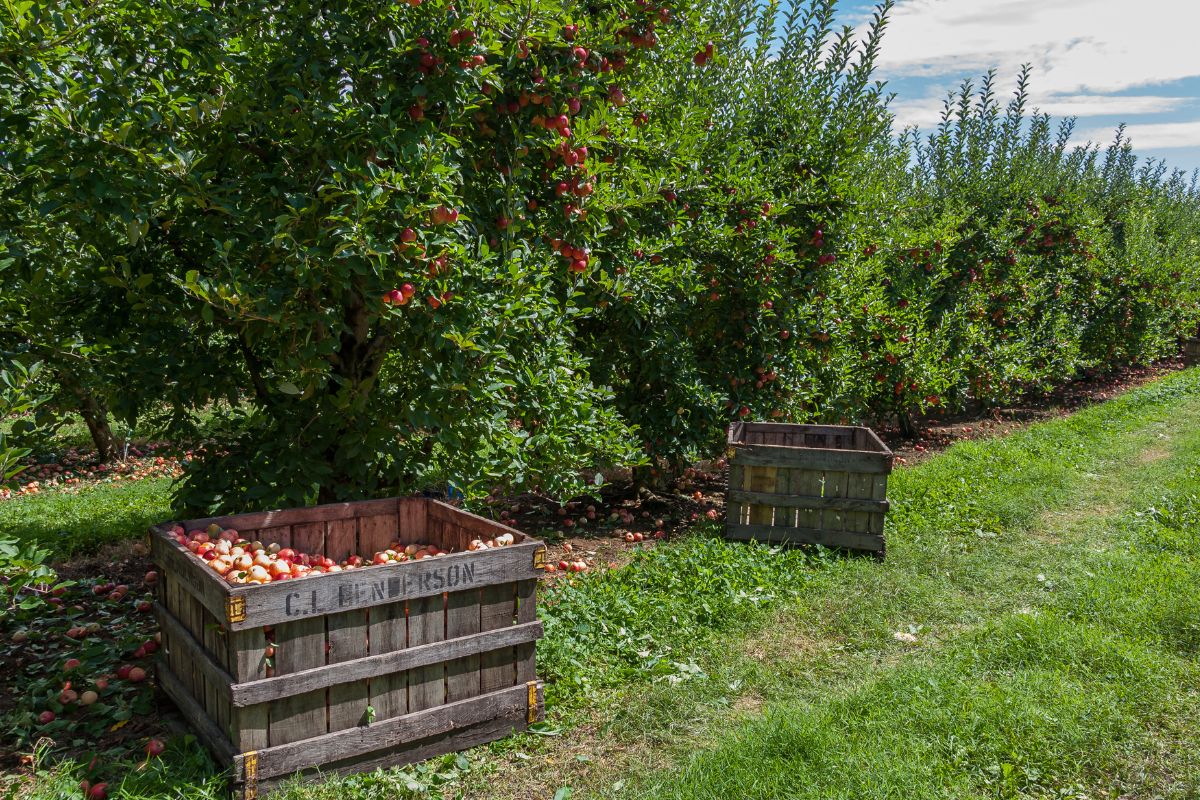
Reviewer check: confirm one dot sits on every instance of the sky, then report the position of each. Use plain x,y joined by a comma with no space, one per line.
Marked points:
1102,61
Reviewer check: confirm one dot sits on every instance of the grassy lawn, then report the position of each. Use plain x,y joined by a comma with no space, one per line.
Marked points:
1034,633
78,522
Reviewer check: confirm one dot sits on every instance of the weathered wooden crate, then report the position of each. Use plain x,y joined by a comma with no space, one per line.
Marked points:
807,484
1191,351
441,650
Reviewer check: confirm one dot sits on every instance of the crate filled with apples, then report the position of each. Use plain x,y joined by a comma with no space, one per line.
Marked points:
347,637
239,561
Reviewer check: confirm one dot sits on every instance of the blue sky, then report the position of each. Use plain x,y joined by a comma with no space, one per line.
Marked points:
1101,61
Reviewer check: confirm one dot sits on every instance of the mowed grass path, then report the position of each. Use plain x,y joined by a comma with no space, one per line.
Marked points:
1051,584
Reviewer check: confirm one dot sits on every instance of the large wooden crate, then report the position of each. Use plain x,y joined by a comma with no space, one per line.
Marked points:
378,666
807,484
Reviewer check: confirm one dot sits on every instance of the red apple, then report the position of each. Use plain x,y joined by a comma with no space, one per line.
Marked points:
46,717
137,674
155,747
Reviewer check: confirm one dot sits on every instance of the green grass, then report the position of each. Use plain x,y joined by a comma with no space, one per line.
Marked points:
1051,582
73,523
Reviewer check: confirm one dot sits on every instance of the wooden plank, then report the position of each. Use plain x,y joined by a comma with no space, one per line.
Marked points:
347,635
878,492
267,689
299,646
412,514
199,581
809,501
839,539
859,488
752,455
216,689
762,482
316,595
526,615
277,534
834,518
191,653
341,539
192,617
388,632
377,532
480,525
462,625
453,741
785,515
309,537
331,747
497,609
426,625
206,730
291,516
735,513
248,725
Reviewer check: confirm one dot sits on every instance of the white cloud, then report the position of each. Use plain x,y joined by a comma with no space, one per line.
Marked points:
1081,51
1150,136
925,112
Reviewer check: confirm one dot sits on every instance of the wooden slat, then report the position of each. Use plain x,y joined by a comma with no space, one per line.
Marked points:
216,689
762,482
840,539
206,730
388,632
347,634
330,747
203,583
526,615
735,512
785,515
309,537
268,689
291,516
249,725
299,646
426,625
316,595
192,617
453,741
462,622
859,488
807,501
834,518
277,534
185,650
753,455
497,609
411,520
341,539
377,533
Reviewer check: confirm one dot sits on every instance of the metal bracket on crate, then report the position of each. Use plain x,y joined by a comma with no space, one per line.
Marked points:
531,717
539,558
250,785
235,609
730,452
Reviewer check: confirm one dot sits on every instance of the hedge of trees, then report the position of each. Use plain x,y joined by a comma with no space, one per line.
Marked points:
513,244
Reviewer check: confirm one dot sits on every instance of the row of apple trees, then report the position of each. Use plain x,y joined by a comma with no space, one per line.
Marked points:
514,245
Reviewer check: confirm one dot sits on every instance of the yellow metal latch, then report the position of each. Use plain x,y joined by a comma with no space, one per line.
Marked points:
539,558
250,764
235,608
533,703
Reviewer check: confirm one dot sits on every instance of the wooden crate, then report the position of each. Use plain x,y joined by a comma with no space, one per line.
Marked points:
442,649
1191,351
807,484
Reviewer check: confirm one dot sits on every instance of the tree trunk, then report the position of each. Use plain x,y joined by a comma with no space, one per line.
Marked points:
96,417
